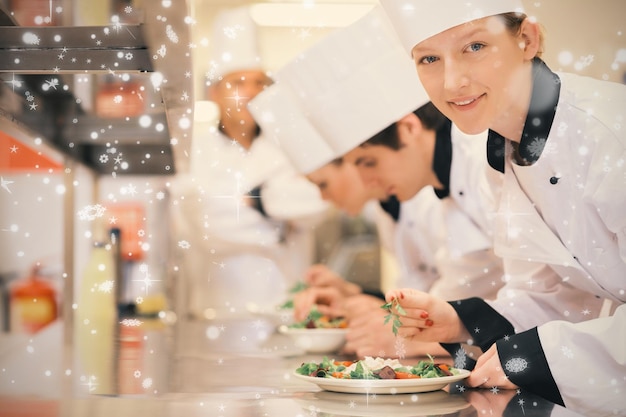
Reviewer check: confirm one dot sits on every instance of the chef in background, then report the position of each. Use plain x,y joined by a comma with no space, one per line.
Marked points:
339,181
278,114
244,216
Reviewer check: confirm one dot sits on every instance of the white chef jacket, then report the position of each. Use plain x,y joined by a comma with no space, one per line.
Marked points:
446,245
244,256
418,235
561,228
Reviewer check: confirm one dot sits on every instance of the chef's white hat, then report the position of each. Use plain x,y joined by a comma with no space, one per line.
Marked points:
281,119
234,44
417,20
355,82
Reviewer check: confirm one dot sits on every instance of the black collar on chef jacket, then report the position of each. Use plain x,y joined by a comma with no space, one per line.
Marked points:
543,101
392,207
442,158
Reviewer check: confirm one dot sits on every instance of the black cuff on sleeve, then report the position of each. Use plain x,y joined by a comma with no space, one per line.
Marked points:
255,195
524,363
483,323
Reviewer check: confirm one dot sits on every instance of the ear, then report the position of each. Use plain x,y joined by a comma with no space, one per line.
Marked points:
530,35
409,128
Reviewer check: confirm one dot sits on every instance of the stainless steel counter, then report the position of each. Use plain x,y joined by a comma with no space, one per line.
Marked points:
229,368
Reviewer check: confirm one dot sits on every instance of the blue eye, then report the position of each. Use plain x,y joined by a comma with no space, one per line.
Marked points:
428,60
475,47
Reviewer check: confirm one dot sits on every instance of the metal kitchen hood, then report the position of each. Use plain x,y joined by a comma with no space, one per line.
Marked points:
47,71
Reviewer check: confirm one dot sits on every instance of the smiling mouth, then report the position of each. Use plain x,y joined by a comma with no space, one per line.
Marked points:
467,102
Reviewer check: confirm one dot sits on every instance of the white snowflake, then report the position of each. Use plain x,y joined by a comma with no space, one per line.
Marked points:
128,9
567,352
106,286
183,244
131,322
516,365
128,56
231,32
52,83
130,189
104,158
5,184
30,38
91,212
399,347
460,359
147,383
171,35
562,129
535,147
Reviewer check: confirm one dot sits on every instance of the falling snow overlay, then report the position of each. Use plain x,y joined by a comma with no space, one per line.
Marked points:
35,224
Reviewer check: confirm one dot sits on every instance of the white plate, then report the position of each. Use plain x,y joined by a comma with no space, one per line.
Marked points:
384,386
316,340
406,405
276,315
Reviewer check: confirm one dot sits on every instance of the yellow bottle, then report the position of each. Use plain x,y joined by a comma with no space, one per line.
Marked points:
96,319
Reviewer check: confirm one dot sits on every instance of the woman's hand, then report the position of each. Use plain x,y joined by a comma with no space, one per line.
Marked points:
426,318
328,300
368,335
488,372
321,276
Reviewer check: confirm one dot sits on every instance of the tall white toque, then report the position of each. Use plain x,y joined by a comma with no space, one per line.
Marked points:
355,82
234,44
281,119
417,20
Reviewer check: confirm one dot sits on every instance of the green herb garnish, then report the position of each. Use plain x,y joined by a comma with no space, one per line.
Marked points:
392,316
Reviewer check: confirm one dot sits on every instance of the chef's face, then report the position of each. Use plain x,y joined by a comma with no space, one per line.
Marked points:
475,73
341,184
402,172
396,172
235,90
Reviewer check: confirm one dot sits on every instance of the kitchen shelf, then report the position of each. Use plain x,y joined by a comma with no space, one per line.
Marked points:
50,78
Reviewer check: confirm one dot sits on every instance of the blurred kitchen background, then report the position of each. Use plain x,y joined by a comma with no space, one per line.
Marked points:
101,116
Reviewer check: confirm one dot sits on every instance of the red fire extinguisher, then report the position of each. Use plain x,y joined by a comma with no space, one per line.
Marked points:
33,303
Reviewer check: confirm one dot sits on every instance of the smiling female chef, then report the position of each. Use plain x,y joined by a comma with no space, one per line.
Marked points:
561,228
